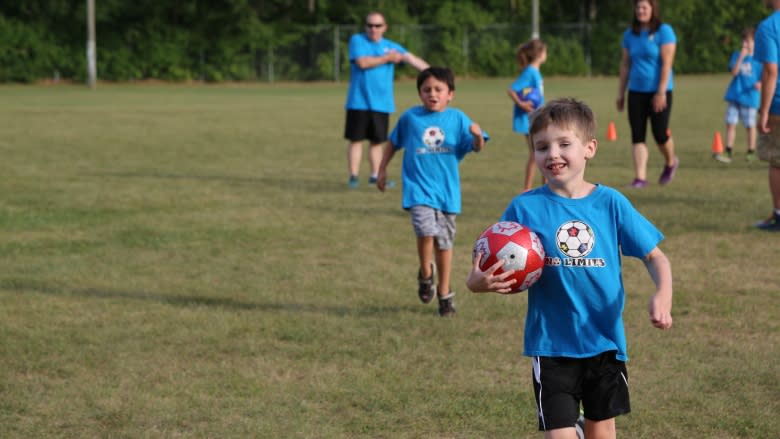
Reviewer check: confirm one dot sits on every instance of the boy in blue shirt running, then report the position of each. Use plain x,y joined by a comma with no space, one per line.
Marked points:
435,139
574,326
742,97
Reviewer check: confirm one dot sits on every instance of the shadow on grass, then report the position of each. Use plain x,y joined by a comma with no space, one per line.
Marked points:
357,310
289,182
292,184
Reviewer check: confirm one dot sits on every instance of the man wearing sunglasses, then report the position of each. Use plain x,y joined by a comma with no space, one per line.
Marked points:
370,98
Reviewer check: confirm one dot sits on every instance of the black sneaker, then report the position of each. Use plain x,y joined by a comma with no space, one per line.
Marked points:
426,288
772,224
447,305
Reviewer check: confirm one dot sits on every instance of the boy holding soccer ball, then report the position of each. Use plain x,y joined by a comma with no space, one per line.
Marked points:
435,139
574,327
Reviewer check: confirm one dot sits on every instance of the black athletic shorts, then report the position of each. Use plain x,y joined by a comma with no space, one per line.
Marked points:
640,108
366,124
600,383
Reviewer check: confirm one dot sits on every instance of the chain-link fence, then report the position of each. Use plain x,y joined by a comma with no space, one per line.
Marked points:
321,53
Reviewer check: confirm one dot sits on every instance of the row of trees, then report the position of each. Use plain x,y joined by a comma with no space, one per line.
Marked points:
219,40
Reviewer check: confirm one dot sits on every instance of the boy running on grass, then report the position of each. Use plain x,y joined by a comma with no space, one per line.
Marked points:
435,139
574,326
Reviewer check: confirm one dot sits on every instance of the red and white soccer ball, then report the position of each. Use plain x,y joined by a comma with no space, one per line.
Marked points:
519,247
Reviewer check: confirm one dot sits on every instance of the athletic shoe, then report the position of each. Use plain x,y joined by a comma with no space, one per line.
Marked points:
638,183
771,224
669,171
750,156
389,184
447,305
353,182
426,288
721,158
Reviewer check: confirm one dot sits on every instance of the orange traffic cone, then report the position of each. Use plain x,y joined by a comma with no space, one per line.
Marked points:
611,132
717,143
717,149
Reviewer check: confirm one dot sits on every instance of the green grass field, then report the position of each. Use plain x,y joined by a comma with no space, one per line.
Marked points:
187,261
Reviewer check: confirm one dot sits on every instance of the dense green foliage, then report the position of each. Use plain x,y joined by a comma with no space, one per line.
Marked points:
304,40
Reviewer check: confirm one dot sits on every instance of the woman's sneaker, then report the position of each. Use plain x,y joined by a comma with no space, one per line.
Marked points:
447,305
426,288
638,183
669,171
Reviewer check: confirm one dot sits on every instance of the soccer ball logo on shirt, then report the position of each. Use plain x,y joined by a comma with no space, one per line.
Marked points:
433,137
575,239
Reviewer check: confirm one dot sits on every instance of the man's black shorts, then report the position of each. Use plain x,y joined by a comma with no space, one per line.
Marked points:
561,383
365,124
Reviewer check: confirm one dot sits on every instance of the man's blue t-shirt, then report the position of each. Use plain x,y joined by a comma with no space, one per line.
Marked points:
575,309
767,50
434,143
529,77
372,88
742,90
644,51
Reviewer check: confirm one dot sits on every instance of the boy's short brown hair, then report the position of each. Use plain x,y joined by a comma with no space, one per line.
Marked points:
565,112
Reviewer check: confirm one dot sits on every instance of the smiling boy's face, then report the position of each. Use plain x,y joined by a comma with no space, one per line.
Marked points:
435,94
561,155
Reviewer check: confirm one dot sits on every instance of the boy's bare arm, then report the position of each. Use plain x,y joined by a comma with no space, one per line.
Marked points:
387,155
479,139
660,305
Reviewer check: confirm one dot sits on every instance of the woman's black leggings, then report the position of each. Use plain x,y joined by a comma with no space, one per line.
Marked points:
640,108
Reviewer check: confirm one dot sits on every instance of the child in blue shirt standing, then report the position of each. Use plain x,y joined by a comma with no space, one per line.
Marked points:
574,329
435,139
742,96
530,57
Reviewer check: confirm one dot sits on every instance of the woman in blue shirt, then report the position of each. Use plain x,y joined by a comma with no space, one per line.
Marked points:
646,70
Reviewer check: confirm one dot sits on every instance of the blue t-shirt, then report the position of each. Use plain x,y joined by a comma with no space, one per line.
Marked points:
742,90
529,77
434,142
575,309
645,53
767,50
371,89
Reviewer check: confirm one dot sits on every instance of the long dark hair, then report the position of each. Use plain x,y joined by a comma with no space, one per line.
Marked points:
655,20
